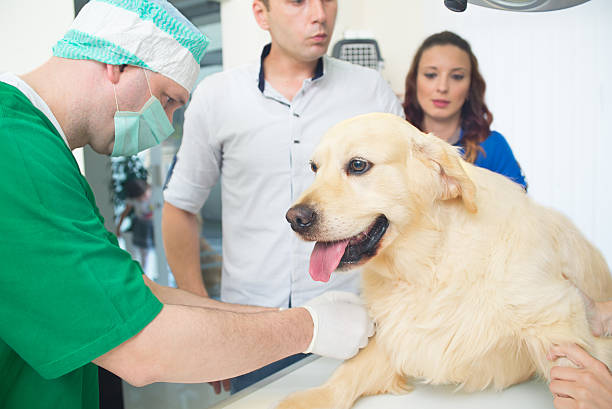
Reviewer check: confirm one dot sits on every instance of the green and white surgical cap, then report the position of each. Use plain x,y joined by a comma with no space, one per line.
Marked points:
151,34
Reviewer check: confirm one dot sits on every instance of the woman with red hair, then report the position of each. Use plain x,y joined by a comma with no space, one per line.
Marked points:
445,96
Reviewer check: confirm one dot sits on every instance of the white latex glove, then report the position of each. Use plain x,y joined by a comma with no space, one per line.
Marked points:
341,324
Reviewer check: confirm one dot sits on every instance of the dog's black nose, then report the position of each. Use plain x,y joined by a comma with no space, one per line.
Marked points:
301,217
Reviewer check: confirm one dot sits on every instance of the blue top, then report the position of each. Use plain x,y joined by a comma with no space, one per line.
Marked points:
498,157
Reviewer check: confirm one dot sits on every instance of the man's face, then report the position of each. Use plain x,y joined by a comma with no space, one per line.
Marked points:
300,29
136,91
171,95
133,92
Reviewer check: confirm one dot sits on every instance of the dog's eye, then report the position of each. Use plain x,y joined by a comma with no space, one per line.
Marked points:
313,166
358,166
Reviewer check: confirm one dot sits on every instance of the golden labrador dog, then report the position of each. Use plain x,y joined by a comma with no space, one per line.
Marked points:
468,280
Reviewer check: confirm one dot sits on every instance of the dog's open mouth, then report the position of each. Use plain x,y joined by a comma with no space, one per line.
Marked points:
329,256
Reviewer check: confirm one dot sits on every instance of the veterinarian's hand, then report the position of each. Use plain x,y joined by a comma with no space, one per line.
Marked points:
587,387
341,324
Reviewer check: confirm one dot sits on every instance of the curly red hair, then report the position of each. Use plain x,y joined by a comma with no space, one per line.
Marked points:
475,116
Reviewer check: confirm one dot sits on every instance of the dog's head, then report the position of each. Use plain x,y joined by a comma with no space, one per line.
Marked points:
375,175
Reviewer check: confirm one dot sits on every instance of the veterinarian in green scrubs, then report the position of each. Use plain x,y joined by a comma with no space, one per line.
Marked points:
69,296
61,305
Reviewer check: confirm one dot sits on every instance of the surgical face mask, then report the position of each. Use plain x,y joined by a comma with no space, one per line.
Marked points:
137,131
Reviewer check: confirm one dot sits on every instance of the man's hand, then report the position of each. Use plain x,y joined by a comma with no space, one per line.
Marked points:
587,387
217,385
341,324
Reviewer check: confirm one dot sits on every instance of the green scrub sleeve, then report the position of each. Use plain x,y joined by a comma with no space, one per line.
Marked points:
68,293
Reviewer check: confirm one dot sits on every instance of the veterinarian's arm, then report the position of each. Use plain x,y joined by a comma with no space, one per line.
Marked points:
193,344
587,387
190,344
175,296
181,235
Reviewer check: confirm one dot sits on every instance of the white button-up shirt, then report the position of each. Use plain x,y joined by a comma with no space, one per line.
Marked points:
238,127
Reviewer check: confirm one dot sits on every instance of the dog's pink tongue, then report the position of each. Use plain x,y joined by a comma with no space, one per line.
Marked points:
325,258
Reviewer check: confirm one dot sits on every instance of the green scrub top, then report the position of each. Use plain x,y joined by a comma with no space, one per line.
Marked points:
68,293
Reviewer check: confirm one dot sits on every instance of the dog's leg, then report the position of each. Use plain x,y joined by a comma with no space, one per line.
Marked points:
368,373
573,329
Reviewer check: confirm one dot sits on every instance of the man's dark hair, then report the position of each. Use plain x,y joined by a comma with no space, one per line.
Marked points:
135,187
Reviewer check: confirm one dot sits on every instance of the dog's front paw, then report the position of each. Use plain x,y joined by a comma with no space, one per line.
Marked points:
317,398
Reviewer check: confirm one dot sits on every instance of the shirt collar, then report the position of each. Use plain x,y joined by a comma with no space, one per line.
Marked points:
261,83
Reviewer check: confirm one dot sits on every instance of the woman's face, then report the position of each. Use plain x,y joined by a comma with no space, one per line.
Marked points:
443,82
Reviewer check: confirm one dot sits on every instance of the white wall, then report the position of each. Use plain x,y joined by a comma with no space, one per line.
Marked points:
243,39
549,78
28,31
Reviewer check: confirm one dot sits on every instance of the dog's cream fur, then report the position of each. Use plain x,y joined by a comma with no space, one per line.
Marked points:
473,281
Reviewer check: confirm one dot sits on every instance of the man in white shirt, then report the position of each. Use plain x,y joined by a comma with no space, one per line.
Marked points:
256,126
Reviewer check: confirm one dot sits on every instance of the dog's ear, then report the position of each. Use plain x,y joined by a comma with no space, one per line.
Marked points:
455,181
